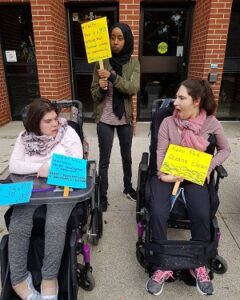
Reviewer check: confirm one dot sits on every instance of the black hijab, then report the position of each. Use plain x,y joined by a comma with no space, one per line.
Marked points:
117,61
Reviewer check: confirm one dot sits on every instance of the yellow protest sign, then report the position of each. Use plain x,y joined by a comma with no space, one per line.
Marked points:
186,162
96,40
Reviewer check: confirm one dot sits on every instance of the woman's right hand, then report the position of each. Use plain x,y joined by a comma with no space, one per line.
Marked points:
103,83
43,170
171,178
102,73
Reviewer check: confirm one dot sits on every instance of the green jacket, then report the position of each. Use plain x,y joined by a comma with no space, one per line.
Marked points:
128,84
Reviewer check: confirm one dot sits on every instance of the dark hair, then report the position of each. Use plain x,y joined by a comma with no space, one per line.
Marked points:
201,89
35,112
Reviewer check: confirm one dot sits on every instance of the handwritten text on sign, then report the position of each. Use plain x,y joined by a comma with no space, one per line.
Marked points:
186,162
15,193
68,171
96,39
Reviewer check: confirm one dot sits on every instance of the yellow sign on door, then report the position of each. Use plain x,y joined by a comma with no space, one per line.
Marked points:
162,48
96,40
186,162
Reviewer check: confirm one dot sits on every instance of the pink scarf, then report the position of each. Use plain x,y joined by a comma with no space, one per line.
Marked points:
191,129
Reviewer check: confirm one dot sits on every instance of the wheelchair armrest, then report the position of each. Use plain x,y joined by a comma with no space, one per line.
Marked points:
142,171
3,243
221,172
4,250
144,162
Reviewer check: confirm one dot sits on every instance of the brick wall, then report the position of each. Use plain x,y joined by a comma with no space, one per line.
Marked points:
129,12
50,34
209,38
5,115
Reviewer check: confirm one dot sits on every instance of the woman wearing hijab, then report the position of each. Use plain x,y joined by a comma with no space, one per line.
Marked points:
112,90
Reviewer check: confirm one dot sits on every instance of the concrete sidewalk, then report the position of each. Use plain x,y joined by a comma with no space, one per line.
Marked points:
118,275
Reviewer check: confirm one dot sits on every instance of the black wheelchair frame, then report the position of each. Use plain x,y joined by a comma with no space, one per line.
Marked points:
176,255
85,220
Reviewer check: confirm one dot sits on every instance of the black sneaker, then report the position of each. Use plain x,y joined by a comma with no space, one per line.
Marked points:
131,194
104,203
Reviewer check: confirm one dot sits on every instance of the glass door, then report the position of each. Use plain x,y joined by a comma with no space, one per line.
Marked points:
17,41
163,53
81,71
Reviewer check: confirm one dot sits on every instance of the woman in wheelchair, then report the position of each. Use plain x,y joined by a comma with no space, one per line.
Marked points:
45,133
191,125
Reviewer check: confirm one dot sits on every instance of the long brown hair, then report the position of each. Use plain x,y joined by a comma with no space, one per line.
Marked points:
201,89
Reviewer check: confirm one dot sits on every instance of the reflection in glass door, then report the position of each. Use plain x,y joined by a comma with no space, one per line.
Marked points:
229,100
81,70
163,54
17,45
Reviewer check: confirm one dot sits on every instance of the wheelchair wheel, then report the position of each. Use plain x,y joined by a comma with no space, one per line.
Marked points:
97,225
85,278
219,265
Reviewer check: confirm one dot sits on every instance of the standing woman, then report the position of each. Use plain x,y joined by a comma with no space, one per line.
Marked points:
45,133
112,90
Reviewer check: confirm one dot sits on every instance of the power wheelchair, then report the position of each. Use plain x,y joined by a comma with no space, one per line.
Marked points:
176,255
84,221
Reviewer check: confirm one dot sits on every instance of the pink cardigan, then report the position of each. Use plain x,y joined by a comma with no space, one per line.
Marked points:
168,134
21,163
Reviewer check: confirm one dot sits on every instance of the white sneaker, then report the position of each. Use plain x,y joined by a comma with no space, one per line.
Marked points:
35,295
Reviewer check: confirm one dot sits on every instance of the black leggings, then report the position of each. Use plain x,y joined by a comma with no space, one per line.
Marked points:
198,207
105,139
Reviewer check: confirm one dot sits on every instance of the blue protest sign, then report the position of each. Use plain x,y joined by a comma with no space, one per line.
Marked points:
15,193
68,171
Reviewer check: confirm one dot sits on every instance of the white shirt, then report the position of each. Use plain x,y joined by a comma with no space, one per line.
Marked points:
22,163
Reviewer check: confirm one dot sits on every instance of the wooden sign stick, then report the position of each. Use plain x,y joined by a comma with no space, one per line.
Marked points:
102,67
101,64
175,188
66,191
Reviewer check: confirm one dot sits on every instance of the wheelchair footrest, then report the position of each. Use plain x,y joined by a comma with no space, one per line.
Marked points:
179,255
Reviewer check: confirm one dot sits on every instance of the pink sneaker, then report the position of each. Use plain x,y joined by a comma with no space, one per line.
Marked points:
155,283
203,282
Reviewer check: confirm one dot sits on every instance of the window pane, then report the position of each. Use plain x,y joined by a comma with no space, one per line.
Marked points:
163,33
156,86
229,100
233,43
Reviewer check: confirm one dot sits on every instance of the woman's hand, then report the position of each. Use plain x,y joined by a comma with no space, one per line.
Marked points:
103,83
102,73
43,170
171,178
208,177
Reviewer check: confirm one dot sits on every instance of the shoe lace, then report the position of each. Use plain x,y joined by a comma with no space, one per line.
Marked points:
161,276
202,274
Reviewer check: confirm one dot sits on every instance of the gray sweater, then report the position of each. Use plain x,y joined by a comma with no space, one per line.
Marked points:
169,134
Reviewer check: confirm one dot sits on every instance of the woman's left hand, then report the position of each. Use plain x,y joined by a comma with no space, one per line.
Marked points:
208,177
43,170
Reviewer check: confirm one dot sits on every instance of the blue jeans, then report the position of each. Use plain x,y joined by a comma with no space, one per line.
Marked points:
105,134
